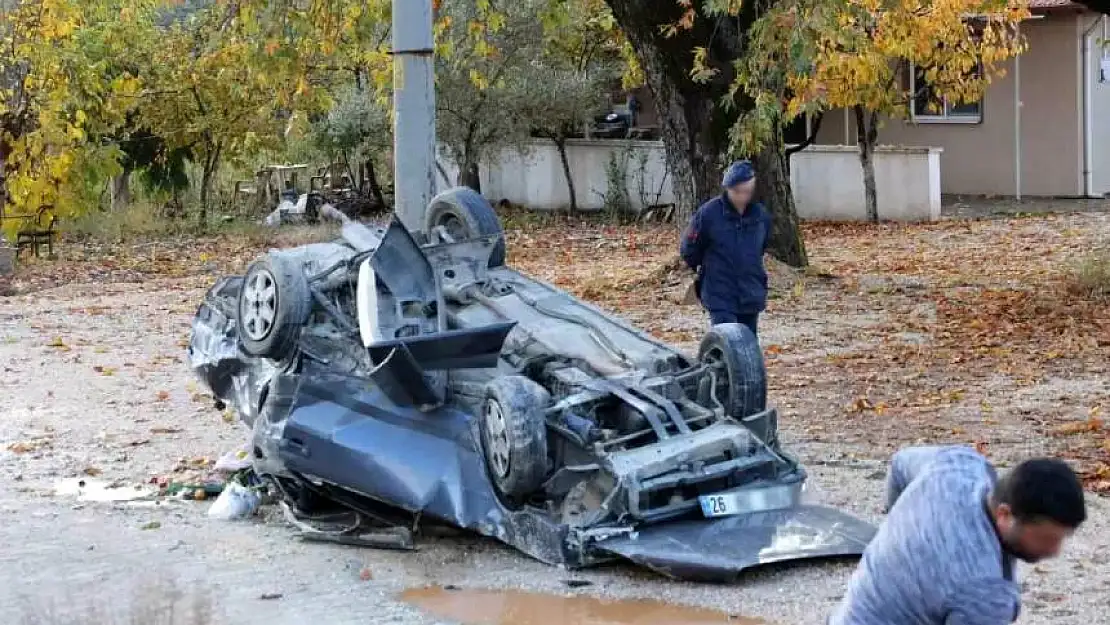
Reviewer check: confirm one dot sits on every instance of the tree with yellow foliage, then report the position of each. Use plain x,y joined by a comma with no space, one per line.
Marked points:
208,94
809,56
59,89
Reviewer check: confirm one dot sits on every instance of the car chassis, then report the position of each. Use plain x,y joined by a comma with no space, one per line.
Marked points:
410,379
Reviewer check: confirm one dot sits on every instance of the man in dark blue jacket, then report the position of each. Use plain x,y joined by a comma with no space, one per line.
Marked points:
725,244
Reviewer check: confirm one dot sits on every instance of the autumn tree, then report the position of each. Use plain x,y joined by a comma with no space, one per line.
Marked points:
478,48
332,62
210,95
688,50
817,55
356,131
568,80
59,86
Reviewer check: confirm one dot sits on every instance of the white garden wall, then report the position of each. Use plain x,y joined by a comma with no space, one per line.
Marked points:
535,178
827,180
828,183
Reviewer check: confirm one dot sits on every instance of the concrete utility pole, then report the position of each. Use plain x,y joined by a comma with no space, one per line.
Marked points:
414,111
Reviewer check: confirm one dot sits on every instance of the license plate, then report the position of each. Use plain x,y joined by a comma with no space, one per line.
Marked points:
746,500
719,505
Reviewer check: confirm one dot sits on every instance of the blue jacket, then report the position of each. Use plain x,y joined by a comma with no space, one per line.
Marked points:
726,249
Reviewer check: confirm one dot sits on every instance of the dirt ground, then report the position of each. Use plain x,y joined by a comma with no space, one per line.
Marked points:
961,331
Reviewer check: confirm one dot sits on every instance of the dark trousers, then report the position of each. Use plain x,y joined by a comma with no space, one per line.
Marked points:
751,320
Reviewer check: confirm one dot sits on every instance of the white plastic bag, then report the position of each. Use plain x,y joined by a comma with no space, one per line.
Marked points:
235,460
234,503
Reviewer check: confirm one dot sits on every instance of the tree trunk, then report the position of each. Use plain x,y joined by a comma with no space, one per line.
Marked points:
208,175
205,182
561,145
815,128
121,190
694,124
356,179
773,188
373,184
867,135
469,175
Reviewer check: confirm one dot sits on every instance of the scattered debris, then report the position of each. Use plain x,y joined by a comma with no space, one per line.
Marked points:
33,444
193,491
305,210
348,528
235,502
95,490
235,460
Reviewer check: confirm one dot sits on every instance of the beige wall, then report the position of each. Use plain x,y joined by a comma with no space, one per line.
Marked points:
1100,107
979,158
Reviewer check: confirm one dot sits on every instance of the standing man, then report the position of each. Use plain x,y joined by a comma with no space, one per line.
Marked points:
724,245
945,555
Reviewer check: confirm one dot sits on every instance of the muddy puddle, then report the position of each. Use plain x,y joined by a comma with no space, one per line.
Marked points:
509,607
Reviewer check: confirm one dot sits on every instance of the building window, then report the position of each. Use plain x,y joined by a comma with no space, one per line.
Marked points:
929,107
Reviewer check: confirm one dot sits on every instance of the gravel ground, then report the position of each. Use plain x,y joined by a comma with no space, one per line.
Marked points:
94,382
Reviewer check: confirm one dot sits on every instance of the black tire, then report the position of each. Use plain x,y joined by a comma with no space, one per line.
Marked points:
466,215
746,378
269,324
514,436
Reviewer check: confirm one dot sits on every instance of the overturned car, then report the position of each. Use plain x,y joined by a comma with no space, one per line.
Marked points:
409,379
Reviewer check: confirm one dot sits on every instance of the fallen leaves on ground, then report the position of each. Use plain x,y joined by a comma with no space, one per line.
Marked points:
33,444
963,310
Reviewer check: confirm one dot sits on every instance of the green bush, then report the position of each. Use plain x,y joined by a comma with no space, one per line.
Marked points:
1092,277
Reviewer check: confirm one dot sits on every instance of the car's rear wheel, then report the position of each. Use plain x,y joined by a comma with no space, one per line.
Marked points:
741,379
514,436
274,304
465,215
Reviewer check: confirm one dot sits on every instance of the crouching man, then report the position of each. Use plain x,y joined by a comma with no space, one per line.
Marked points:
724,244
945,555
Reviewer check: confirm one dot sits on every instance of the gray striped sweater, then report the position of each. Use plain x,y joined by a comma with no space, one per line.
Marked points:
937,559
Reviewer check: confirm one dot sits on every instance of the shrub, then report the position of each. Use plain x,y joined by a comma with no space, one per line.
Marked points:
1092,276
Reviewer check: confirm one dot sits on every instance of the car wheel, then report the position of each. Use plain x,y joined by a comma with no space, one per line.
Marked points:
274,304
743,387
514,436
465,214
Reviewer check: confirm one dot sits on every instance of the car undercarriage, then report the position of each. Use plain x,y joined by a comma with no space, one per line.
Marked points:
425,380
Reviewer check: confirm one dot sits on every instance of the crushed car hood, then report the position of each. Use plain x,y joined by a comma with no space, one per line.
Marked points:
717,550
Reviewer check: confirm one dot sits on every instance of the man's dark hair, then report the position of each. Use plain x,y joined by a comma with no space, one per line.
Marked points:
1043,489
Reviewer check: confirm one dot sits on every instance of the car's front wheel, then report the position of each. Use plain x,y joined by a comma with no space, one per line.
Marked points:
514,436
741,379
274,304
